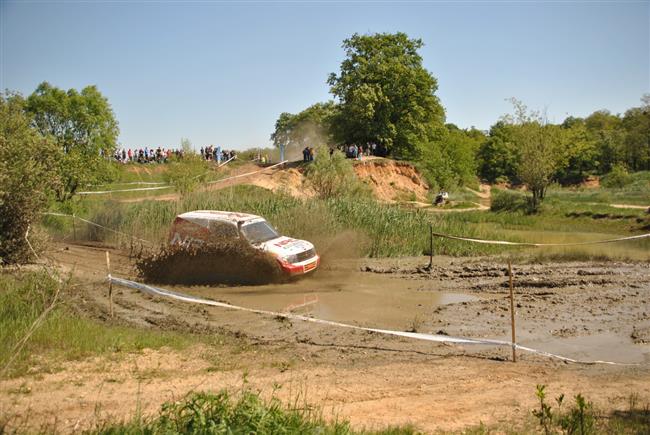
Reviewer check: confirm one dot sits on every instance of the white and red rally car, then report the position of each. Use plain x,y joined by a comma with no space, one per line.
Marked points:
295,256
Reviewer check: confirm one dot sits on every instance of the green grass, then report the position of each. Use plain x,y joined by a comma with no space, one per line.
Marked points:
64,335
242,413
635,192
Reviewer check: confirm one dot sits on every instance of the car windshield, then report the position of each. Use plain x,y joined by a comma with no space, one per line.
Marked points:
259,232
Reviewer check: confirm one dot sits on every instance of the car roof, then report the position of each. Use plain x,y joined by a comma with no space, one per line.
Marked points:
216,215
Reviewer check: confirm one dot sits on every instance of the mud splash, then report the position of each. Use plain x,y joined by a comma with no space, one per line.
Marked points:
232,263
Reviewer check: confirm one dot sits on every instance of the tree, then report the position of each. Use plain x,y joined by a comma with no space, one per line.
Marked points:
26,178
452,161
386,95
605,131
636,124
498,156
539,145
579,151
311,127
83,126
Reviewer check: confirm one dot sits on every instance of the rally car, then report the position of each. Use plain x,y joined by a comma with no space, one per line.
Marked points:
295,257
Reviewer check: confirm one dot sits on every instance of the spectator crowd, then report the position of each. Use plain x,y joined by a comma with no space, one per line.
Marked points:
163,155
146,155
215,153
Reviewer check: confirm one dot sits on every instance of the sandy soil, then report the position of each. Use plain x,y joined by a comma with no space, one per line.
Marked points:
582,310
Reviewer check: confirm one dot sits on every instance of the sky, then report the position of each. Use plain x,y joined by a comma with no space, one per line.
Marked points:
220,72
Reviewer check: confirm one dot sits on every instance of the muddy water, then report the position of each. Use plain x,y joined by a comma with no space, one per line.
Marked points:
345,296
606,346
634,250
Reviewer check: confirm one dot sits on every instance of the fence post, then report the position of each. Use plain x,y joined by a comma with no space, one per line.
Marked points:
110,284
512,312
430,266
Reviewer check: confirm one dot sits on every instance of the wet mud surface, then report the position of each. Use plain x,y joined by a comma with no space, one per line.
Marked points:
585,310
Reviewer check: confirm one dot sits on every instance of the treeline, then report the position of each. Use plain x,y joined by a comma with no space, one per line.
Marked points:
51,144
586,146
383,95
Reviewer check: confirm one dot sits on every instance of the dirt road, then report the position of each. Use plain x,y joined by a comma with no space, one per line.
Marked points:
582,310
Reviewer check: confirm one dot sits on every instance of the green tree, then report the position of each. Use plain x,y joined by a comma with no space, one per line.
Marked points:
26,178
636,124
539,145
311,127
580,152
606,131
452,160
83,126
386,95
498,156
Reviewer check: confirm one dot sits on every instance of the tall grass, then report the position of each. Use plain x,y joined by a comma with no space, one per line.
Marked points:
384,230
378,230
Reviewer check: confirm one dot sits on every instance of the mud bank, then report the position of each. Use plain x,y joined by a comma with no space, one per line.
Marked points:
370,379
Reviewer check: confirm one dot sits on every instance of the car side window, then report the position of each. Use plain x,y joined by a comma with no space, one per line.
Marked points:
223,230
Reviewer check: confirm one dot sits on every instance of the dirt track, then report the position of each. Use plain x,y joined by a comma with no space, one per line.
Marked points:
582,310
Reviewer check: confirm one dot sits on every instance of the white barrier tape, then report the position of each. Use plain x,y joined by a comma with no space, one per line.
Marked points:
247,174
227,161
218,166
97,225
150,183
414,335
504,242
138,189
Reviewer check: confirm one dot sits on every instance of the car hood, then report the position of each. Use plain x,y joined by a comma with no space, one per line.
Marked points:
283,246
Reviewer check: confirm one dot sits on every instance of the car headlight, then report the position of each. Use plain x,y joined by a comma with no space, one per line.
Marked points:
290,258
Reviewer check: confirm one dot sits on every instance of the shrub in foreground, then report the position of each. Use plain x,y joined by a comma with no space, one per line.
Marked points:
25,162
508,201
246,413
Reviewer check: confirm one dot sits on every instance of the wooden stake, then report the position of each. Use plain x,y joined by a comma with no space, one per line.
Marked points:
110,284
430,247
512,312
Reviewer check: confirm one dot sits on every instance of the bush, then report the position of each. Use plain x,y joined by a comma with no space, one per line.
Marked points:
26,161
187,173
508,201
618,177
332,175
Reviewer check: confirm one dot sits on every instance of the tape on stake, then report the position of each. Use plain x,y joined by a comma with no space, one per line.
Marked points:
155,291
504,242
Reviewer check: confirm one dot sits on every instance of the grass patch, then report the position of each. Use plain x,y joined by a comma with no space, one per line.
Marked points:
635,191
243,413
63,335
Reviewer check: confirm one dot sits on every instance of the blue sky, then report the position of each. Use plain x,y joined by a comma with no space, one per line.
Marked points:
222,72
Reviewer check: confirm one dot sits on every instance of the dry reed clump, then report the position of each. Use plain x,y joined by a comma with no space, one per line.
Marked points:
234,262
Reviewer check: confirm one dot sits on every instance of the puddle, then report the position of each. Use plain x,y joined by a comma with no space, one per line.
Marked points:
604,347
349,297
634,250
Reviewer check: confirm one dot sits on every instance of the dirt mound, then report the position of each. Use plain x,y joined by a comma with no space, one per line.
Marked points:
291,181
214,263
393,181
